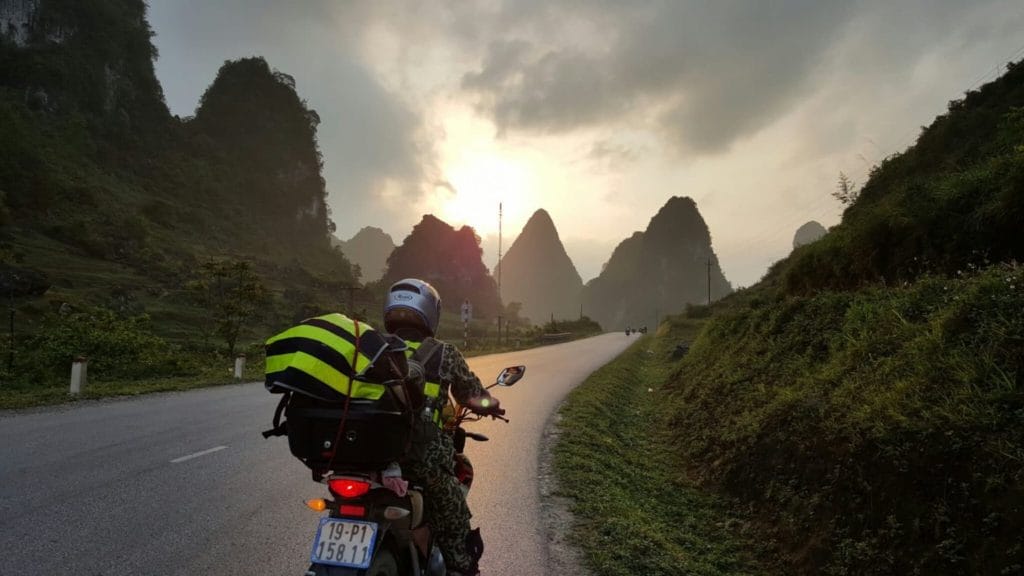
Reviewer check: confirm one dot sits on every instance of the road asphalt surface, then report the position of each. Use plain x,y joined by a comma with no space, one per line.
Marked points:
183,483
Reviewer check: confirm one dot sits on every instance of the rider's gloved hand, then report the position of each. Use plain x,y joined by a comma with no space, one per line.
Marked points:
486,405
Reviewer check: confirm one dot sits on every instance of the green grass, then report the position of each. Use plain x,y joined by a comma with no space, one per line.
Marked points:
878,431
635,513
15,398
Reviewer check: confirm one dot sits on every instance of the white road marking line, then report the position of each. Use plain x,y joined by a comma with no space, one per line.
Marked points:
198,454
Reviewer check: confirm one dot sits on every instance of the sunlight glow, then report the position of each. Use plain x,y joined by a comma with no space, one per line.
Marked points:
479,171
480,181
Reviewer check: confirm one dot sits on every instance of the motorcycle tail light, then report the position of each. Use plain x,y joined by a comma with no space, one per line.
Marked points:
348,487
352,510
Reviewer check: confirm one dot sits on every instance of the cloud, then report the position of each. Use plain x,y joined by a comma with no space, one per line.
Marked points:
612,154
702,74
543,92
758,103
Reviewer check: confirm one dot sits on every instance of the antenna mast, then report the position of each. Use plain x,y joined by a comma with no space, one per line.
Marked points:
501,302
499,250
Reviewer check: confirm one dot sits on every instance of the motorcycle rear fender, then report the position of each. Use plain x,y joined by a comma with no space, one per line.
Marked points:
324,570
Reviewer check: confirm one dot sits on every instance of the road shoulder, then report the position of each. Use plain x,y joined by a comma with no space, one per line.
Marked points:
632,508
564,558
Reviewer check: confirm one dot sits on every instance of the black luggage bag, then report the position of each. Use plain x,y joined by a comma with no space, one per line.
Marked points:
374,433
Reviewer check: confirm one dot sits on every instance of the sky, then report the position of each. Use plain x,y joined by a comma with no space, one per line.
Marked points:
600,111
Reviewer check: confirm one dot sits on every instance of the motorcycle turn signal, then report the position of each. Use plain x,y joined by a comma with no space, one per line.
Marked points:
316,504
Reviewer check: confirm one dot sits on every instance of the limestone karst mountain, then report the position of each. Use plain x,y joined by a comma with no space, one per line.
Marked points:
808,233
369,248
451,260
658,271
110,203
537,272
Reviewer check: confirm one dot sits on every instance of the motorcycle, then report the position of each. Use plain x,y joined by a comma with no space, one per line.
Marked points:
370,530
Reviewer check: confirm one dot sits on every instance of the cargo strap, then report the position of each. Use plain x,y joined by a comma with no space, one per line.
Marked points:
280,428
348,399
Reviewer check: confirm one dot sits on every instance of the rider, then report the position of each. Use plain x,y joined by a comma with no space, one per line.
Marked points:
412,310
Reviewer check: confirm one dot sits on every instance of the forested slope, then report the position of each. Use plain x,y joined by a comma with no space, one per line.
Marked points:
865,401
112,210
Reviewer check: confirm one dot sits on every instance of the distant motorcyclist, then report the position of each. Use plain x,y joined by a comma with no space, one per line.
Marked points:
412,310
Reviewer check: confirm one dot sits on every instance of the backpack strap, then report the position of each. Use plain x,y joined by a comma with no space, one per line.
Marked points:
280,428
428,348
428,355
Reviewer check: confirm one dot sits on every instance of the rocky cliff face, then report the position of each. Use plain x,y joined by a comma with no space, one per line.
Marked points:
369,248
93,58
808,233
17,19
95,171
253,113
538,273
658,271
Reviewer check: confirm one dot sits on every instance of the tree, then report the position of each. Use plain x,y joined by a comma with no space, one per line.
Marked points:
232,293
846,190
512,315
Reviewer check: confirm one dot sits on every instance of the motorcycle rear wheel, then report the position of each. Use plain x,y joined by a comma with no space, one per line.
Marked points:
385,564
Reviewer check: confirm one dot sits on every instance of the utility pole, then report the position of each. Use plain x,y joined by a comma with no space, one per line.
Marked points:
500,301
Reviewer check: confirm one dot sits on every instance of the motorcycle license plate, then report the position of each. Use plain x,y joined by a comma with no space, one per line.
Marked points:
346,543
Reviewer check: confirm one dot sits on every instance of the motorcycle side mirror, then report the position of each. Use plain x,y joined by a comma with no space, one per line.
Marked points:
510,375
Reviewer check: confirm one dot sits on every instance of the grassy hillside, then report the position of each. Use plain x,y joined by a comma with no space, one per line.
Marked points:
865,401
952,201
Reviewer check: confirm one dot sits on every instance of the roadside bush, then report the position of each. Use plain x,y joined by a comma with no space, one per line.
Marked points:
582,325
117,348
878,431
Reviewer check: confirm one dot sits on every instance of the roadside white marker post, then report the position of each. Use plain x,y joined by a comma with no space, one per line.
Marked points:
78,374
239,366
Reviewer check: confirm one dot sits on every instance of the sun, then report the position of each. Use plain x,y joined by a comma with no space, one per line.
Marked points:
480,181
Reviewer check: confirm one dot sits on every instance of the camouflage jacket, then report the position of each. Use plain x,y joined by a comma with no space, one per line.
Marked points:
456,377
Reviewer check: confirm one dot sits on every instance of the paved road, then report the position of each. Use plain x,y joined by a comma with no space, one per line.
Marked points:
183,483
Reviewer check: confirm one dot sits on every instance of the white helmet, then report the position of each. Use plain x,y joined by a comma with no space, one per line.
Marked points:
412,303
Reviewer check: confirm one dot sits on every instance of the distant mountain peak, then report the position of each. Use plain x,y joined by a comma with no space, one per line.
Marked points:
538,273
369,248
372,232
540,218
657,271
809,232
